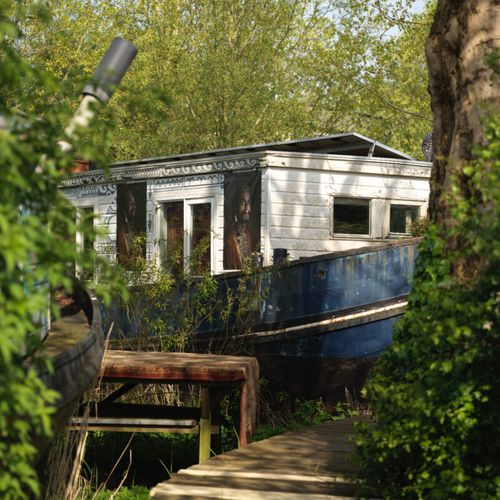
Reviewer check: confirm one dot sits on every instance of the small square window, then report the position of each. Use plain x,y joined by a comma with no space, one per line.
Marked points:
351,216
402,216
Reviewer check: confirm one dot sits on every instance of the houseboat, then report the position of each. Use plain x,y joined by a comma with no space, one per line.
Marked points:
304,197
326,220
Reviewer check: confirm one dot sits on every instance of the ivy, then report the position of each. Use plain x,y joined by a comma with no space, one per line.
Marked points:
436,392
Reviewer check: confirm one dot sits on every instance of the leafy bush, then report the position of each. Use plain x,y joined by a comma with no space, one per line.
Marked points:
169,304
29,255
420,226
436,392
37,249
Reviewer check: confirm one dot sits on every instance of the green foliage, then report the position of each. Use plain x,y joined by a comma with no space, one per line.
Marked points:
436,393
163,308
419,227
37,248
168,303
32,166
224,73
124,493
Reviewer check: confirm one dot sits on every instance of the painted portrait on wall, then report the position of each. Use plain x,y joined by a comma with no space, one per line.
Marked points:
130,222
242,211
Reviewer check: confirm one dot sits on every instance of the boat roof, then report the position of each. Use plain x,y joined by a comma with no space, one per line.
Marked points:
350,143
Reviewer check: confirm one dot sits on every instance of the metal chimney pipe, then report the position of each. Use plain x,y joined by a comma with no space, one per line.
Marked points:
111,69
107,76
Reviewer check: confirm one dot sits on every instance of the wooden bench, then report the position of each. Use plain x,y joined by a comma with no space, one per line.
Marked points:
123,417
215,374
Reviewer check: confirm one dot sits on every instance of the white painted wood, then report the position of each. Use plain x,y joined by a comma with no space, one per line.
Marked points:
301,233
297,192
283,221
300,211
193,190
102,199
300,216
266,219
318,180
357,164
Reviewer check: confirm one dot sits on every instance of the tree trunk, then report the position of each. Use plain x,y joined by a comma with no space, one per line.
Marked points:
464,89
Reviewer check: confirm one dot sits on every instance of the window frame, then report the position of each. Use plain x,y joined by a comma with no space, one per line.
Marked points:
188,226
403,203
333,233
162,230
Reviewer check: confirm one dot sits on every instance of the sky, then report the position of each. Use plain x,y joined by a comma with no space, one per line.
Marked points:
419,5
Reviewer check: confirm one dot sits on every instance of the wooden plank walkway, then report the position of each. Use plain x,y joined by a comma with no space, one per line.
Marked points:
314,463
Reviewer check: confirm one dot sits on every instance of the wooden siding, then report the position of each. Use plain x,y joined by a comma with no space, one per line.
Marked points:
352,164
297,196
299,214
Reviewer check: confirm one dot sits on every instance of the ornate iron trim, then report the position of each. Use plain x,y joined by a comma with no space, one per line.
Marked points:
174,169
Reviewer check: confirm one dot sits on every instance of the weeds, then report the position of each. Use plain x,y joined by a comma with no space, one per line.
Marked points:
178,306
125,493
300,413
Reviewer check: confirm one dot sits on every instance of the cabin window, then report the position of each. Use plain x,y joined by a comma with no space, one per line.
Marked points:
200,238
351,216
172,237
401,218
185,236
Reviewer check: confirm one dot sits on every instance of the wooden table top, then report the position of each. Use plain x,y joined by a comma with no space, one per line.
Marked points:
172,366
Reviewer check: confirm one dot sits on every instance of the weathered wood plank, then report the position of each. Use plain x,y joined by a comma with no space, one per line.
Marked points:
314,463
203,369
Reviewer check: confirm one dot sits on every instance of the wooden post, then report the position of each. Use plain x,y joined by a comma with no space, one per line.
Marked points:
244,423
205,425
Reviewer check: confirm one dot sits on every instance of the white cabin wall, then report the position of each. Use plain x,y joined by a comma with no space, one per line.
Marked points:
297,193
265,200
301,196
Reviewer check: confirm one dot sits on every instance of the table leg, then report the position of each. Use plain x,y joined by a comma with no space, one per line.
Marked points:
244,423
216,396
205,425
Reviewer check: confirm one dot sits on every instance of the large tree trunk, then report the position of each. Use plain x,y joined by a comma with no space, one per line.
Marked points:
463,89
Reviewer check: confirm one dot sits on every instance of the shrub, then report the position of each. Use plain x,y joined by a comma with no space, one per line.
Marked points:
37,249
420,226
436,392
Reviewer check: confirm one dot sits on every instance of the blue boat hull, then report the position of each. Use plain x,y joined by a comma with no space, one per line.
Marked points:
331,366
340,305
363,341
323,321
316,323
